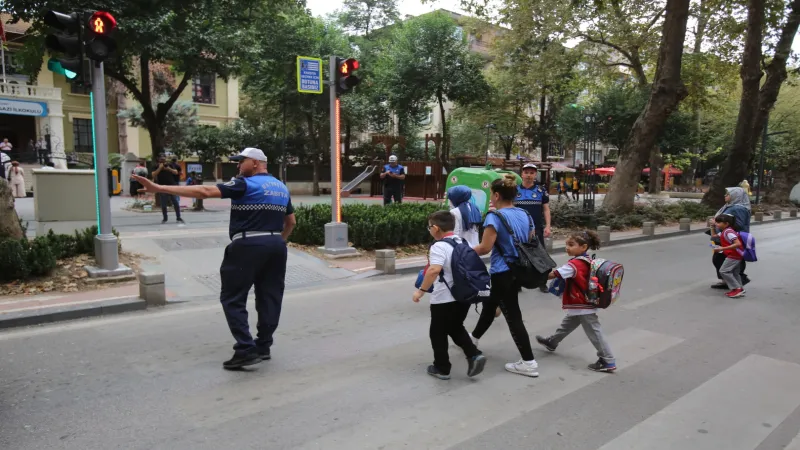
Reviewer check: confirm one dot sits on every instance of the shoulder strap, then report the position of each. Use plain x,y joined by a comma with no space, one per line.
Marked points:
508,228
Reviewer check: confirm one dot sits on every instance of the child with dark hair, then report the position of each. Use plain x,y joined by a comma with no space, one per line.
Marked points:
447,314
729,241
575,275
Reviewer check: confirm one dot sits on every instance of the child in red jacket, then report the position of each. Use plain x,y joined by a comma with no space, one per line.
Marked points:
575,276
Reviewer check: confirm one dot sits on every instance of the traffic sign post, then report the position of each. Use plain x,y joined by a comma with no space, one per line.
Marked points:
309,75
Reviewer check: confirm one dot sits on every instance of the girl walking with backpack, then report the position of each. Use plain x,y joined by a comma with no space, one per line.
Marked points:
737,204
729,244
573,284
505,288
468,216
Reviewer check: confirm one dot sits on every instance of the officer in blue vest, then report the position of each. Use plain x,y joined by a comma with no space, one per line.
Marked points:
534,198
393,176
262,218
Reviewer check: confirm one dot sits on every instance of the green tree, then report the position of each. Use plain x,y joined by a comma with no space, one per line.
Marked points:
429,61
194,38
179,124
364,16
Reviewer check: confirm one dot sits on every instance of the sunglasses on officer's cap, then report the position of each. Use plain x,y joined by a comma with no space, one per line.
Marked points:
250,153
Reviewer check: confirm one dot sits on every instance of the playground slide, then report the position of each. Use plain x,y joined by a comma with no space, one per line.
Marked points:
358,180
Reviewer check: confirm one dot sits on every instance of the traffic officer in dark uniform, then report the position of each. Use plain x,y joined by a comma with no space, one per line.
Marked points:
534,198
261,220
393,176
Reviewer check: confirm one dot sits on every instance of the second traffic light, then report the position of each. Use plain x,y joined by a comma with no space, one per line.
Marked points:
67,40
99,44
346,80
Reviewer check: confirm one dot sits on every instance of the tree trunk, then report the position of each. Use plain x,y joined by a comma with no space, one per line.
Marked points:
9,221
783,182
667,92
445,153
122,124
654,185
315,178
734,168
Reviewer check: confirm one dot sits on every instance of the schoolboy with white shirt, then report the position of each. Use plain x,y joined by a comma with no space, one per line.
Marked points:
447,315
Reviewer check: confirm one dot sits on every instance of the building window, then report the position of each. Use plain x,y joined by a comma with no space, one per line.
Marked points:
203,89
82,135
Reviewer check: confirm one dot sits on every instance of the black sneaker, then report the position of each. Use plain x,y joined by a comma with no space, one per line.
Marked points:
164,221
544,342
476,364
181,221
436,373
543,288
601,366
265,354
745,280
240,360
719,286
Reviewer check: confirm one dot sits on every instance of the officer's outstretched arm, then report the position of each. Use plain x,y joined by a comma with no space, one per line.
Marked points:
200,191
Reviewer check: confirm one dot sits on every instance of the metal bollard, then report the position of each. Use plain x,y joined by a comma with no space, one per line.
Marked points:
649,228
385,261
685,224
152,288
604,232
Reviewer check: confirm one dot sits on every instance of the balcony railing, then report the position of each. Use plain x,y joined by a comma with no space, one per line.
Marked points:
29,92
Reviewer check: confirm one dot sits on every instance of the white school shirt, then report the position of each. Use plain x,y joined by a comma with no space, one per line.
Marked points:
471,235
441,254
567,271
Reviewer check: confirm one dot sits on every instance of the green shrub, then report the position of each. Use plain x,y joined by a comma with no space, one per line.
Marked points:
369,226
13,259
40,257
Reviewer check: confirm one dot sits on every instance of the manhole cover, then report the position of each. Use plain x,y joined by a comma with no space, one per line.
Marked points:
295,276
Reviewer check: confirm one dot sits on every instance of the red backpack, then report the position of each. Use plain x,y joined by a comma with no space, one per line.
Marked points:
605,281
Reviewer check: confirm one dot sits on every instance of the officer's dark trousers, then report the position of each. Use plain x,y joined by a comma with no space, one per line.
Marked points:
259,261
389,194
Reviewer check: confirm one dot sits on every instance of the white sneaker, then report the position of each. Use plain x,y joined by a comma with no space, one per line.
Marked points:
474,339
529,369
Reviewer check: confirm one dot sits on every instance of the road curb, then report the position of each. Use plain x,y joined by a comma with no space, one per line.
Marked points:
58,313
416,267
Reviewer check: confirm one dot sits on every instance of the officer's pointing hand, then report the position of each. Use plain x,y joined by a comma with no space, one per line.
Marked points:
147,185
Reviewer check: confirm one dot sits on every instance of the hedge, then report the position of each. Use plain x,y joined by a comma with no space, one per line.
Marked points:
570,215
369,226
21,258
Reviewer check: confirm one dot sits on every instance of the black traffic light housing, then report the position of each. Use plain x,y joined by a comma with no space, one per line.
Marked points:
99,43
346,80
68,40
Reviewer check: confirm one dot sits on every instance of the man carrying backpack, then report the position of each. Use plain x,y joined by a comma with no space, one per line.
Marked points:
457,283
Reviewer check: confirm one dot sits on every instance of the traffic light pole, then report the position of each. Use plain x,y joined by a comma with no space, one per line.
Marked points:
336,242
106,250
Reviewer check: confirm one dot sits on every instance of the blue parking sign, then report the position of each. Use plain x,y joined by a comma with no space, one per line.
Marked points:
309,75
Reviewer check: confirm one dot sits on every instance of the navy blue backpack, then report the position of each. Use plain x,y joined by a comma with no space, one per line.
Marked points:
471,282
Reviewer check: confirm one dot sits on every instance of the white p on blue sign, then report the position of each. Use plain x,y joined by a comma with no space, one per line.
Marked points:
309,75
23,108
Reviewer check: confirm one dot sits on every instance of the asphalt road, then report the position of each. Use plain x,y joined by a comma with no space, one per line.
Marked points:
696,371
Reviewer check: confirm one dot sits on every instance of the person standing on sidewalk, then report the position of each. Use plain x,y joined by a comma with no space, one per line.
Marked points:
534,198
16,179
164,175
262,218
394,178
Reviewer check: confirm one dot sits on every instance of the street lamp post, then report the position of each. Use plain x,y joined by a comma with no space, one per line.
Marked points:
764,141
588,162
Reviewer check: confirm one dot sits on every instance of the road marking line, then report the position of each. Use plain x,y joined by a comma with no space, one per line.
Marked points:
735,410
795,444
662,296
458,414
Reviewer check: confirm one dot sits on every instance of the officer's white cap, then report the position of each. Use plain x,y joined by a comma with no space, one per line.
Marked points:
251,153
530,166
393,158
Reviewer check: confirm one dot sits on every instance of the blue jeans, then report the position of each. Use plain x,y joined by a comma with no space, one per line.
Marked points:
176,202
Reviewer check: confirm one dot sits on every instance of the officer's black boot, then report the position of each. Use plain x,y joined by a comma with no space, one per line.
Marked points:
240,360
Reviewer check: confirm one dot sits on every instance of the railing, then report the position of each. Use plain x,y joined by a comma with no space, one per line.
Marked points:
31,92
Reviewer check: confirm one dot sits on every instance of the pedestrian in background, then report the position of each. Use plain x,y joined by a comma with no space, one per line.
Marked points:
574,299
576,188
563,189
262,218
467,215
393,176
737,204
16,178
164,175
534,198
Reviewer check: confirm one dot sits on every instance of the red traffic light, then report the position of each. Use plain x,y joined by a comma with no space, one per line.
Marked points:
348,66
102,23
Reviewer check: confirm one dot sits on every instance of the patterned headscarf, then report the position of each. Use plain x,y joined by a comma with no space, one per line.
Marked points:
738,197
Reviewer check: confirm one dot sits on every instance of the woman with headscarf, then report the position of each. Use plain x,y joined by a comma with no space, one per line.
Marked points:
468,216
737,204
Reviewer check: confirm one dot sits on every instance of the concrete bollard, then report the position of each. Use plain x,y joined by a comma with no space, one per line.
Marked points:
548,244
604,232
777,215
649,228
759,216
152,289
793,212
385,261
685,224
